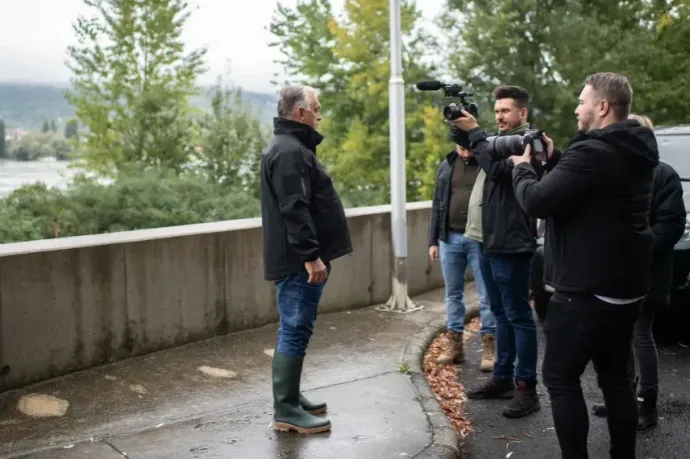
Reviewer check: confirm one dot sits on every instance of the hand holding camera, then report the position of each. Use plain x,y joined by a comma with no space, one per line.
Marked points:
466,121
536,145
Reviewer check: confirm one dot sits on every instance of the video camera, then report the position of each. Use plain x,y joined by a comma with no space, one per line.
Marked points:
451,111
510,145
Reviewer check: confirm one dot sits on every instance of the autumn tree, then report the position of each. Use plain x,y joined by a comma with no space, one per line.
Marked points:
348,59
550,46
131,83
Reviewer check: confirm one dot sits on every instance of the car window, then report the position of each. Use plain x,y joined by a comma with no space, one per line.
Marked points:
675,151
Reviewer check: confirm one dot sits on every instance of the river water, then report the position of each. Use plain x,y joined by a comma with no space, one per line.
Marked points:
14,174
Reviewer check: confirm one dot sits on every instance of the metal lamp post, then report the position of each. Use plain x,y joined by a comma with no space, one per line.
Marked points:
399,300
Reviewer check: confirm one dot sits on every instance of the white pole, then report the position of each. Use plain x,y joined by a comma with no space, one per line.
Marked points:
399,300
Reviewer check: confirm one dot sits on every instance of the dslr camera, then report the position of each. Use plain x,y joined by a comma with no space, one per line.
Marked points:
453,110
510,145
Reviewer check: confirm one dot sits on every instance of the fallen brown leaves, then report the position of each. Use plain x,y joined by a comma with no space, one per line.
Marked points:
444,382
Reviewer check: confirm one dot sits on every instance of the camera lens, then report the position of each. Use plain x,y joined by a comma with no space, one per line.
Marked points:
452,112
508,145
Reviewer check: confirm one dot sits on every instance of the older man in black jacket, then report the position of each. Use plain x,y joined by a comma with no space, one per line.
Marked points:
598,254
304,229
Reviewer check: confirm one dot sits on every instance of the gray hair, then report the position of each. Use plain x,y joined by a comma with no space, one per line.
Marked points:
616,89
293,97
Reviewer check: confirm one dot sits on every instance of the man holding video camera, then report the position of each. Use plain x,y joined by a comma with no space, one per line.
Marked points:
508,237
598,255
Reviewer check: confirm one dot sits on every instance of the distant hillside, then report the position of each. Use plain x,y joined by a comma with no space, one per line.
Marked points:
28,105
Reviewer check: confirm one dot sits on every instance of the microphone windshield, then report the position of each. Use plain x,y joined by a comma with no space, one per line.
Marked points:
433,85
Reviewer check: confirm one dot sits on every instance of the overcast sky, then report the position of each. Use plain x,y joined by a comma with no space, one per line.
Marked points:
35,34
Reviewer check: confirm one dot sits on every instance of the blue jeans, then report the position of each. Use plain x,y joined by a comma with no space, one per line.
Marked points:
455,255
507,284
298,302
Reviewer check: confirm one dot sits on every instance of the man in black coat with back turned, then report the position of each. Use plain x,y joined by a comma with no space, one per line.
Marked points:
304,229
667,220
598,254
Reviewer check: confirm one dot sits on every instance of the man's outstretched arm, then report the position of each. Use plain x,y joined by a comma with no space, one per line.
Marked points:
577,177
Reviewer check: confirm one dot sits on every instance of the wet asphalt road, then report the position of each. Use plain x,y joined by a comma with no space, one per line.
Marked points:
161,406
494,434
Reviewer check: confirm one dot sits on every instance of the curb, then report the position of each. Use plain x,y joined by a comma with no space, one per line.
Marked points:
445,443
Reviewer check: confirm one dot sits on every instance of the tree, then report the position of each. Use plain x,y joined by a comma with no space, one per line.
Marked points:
53,126
348,60
233,139
46,126
3,143
131,83
72,129
38,145
550,46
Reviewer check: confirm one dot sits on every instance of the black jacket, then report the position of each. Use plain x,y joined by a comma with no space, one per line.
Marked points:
302,216
506,228
667,220
438,221
597,201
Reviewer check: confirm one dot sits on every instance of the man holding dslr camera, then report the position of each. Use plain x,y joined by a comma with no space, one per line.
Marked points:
598,256
508,237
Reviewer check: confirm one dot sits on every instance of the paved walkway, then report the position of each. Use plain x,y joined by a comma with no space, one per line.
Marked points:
213,399
534,437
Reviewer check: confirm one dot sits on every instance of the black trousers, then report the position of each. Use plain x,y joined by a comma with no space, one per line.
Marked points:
580,328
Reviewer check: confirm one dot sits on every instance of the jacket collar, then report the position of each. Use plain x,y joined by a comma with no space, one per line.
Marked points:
307,135
518,130
453,155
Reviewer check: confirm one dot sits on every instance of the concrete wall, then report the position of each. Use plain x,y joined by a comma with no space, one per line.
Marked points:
73,303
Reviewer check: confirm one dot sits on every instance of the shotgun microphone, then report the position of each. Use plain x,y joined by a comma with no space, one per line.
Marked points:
433,85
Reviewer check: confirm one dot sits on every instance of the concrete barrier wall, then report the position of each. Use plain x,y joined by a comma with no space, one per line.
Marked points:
74,303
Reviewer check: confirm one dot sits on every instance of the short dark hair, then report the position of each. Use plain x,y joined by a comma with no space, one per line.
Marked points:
616,89
519,95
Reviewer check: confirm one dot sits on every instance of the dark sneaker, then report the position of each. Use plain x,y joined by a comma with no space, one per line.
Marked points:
525,401
493,388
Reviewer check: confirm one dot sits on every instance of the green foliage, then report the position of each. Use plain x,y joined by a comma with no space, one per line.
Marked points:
39,145
348,60
132,80
550,46
232,140
72,129
136,199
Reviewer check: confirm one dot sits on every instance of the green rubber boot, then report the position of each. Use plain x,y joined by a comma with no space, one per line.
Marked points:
310,407
289,414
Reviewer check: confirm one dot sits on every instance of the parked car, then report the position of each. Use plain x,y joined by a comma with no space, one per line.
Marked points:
674,149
